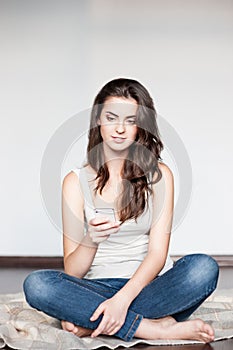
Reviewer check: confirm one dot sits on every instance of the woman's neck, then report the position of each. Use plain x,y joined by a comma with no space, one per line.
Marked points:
114,168
115,162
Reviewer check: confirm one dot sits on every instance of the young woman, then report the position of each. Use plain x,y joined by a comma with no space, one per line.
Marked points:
119,279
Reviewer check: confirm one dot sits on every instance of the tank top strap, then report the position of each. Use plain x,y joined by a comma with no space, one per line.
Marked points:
87,193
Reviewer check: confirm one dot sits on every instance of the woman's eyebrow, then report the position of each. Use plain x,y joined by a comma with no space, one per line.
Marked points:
115,115
131,116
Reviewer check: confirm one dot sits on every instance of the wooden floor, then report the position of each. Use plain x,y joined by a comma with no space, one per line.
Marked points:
220,345
11,281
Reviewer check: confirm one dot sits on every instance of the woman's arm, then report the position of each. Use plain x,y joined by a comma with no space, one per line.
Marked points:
79,250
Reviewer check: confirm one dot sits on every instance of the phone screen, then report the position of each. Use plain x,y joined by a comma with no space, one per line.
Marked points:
107,212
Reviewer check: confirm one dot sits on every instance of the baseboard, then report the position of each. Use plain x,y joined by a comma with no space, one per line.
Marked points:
222,260
27,262
56,262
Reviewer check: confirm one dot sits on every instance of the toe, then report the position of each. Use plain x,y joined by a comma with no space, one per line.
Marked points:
206,338
69,326
208,329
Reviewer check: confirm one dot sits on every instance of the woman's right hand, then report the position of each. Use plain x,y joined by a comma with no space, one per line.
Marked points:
100,228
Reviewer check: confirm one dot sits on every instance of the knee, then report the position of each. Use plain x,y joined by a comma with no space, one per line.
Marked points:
37,287
203,271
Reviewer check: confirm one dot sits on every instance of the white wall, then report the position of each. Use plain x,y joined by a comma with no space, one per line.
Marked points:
55,55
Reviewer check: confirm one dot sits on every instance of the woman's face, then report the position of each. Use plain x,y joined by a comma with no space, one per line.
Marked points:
118,122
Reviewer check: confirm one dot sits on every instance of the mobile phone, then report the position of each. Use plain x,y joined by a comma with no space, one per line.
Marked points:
106,212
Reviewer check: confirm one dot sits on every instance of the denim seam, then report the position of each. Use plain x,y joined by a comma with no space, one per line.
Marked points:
81,286
99,287
127,334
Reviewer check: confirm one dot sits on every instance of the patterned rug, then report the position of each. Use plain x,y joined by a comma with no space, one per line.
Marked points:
22,327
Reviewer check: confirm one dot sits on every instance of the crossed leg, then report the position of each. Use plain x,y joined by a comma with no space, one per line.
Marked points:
202,273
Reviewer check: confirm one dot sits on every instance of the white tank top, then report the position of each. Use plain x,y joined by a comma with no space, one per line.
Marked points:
120,255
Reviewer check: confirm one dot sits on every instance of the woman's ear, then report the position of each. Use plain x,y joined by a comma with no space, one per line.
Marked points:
98,121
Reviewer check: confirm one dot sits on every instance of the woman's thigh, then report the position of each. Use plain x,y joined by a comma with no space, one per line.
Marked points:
52,285
191,280
69,298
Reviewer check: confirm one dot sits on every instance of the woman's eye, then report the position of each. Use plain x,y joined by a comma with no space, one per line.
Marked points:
109,118
131,121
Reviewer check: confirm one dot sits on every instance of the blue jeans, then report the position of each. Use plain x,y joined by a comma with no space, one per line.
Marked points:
178,293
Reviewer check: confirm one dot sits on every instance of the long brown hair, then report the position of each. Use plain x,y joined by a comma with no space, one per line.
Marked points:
143,156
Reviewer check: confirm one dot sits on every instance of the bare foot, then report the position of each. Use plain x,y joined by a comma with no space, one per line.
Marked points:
76,330
168,328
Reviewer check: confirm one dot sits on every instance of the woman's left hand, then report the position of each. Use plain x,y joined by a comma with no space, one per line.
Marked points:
114,310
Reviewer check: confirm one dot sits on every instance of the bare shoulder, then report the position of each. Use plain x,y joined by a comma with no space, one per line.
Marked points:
166,171
70,179
71,184
167,174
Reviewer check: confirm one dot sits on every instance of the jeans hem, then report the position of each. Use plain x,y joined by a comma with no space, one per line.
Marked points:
132,330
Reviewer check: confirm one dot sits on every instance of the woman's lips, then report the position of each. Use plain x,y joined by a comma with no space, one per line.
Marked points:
118,139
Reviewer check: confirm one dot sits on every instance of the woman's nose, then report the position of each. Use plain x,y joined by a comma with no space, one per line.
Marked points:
120,127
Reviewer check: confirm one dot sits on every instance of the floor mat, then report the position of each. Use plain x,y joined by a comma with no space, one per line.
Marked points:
22,327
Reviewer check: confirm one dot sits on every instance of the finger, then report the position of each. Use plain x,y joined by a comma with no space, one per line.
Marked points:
114,331
98,223
103,234
99,239
106,226
101,328
99,220
111,328
96,235
102,237
97,313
